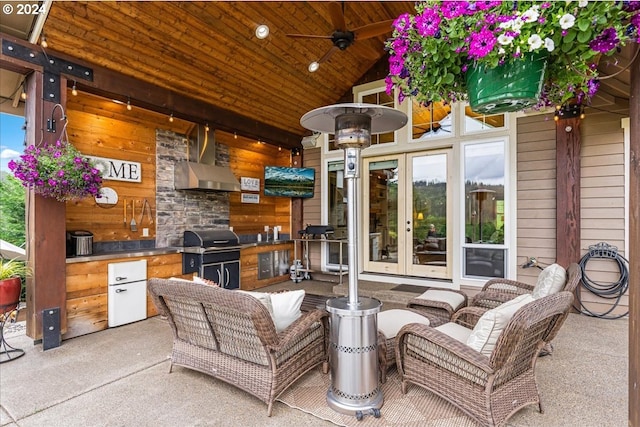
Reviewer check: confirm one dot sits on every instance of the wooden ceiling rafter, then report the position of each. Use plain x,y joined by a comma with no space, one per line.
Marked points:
186,70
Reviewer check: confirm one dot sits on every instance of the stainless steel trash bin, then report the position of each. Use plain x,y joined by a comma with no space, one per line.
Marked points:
353,356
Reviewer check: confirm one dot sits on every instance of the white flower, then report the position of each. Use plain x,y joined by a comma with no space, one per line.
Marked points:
504,39
531,15
583,3
549,44
567,21
535,42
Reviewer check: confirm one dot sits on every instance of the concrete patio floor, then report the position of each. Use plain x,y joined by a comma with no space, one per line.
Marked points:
119,377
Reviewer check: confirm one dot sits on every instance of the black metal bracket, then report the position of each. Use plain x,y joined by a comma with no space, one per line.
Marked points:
52,66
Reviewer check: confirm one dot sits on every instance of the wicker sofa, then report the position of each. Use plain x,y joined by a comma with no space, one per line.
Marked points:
231,336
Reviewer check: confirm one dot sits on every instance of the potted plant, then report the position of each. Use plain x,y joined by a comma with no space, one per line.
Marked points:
446,48
57,171
12,273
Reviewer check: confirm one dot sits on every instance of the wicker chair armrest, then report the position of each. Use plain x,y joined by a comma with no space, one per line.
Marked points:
446,343
302,324
495,284
468,316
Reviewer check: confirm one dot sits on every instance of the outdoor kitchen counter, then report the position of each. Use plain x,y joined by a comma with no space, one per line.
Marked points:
134,253
269,243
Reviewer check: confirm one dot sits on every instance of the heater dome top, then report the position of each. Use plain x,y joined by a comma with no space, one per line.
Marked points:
383,119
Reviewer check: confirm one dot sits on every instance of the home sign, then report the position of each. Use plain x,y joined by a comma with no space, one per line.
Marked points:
118,170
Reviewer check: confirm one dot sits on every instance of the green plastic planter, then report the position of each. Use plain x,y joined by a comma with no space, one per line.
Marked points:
510,87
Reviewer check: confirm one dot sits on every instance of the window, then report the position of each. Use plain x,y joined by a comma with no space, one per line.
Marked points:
337,218
434,120
484,216
474,122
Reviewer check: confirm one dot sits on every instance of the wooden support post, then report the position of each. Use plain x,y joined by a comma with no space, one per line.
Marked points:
634,247
46,288
568,191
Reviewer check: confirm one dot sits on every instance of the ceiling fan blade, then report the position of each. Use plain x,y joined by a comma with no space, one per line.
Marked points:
337,16
373,30
327,55
308,36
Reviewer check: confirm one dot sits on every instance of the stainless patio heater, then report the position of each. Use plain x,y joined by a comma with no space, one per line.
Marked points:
353,354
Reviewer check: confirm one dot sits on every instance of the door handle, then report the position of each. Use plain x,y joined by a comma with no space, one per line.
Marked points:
120,290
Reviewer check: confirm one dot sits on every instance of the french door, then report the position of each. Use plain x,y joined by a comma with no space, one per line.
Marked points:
408,206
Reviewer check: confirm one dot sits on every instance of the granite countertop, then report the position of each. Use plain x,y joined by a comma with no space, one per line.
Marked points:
133,253
124,254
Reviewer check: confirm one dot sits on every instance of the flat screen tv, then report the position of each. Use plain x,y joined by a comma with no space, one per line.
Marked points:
288,182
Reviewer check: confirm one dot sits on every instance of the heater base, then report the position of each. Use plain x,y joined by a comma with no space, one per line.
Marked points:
357,410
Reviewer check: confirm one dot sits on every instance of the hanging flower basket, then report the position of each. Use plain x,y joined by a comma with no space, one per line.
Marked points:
512,86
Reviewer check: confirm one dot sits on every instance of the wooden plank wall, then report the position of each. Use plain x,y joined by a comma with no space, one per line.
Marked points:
247,158
601,199
87,293
103,128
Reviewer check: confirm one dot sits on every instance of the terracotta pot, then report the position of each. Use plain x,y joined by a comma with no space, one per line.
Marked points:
9,294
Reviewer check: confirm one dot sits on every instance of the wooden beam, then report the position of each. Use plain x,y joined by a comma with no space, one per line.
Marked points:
46,252
114,85
568,191
634,247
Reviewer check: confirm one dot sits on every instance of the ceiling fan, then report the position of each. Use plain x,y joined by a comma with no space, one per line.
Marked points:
342,38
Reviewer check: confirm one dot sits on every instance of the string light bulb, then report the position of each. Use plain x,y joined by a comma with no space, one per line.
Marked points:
171,117
206,127
43,42
129,107
74,89
23,94
235,135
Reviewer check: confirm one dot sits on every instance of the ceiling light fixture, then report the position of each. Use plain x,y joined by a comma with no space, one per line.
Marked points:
129,107
262,31
313,67
74,89
43,42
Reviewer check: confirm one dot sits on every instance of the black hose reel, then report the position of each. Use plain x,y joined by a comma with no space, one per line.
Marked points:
614,290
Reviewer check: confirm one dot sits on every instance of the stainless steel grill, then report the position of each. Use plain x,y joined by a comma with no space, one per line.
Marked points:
213,255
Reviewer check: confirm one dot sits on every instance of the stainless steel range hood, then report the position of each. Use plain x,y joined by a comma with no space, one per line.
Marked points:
199,172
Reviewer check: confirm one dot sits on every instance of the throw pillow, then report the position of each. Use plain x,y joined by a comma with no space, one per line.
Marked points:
550,281
286,308
263,297
485,334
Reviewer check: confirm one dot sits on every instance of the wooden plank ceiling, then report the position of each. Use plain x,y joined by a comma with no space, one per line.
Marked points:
209,51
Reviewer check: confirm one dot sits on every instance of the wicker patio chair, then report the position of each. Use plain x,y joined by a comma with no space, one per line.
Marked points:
231,336
498,291
492,388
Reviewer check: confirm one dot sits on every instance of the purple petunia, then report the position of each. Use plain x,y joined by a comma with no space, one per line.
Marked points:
481,43
453,9
605,41
428,22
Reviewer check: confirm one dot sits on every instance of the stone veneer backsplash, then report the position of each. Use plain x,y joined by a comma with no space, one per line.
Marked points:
179,210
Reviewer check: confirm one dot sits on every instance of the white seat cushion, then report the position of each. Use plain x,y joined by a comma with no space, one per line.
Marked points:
455,331
550,281
454,299
485,334
286,308
391,321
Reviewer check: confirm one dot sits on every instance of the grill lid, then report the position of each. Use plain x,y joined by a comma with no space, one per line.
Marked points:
210,238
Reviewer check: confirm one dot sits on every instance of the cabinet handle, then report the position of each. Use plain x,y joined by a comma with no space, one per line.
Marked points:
226,270
120,290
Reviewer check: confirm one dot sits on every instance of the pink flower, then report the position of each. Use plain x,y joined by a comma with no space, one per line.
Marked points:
481,43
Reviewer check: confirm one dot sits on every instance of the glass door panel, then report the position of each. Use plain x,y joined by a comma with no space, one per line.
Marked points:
428,203
381,232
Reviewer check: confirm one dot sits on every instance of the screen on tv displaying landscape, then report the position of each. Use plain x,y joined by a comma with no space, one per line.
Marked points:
288,182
